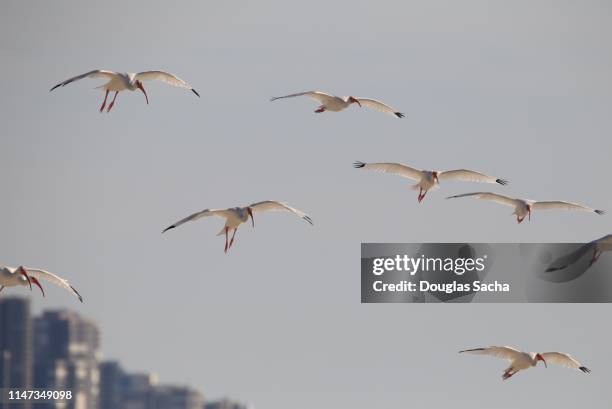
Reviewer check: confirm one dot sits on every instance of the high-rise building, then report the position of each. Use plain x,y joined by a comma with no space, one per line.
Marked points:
225,404
138,391
111,383
120,390
15,345
176,397
66,358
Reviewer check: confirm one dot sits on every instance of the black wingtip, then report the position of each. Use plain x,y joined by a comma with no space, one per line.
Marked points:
399,114
309,220
472,350
195,92
54,87
502,182
77,293
358,164
168,228
585,369
600,212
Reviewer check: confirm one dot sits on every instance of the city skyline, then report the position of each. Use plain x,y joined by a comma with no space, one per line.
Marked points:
60,350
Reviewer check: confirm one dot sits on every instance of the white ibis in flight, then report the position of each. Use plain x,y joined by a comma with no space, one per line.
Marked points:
429,179
597,247
236,216
118,81
336,104
524,360
523,207
25,276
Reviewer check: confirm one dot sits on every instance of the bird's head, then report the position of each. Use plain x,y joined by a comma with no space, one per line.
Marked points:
353,100
434,175
539,357
250,212
141,87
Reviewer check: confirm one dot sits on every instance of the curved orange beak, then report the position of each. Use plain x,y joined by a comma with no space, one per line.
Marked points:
355,100
24,273
140,86
251,215
529,218
541,358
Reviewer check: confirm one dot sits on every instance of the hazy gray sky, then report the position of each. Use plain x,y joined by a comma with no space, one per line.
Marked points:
518,89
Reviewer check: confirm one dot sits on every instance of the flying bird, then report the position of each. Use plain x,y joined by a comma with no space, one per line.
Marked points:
236,216
337,104
429,179
525,360
597,247
118,82
25,276
523,207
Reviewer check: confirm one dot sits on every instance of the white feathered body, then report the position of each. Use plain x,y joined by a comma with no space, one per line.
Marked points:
235,217
10,278
336,104
524,360
427,181
521,209
121,82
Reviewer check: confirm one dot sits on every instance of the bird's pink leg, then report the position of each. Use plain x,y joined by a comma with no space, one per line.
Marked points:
112,102
226,229
104,103
320,109
519,219
420,193
232,240
35,281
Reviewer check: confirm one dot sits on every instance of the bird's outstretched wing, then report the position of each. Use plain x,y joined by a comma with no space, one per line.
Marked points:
559,204
164,77
272,205
54,279
379,106
197,215
505,200
466,175
322,97
91,74
571,258
398,169
507,353
565,360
